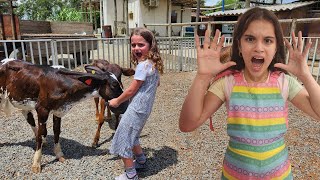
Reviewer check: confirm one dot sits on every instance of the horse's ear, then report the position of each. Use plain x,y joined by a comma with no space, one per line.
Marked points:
92,80
93,69
127,71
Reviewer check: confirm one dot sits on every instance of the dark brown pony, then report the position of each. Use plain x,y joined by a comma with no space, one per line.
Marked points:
118,71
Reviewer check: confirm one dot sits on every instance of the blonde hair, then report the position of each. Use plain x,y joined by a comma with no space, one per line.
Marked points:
154,53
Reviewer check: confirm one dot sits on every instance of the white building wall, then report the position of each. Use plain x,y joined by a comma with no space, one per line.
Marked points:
134,8
140,14
186,17
155,15
109,13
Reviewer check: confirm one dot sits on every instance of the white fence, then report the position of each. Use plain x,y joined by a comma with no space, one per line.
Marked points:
178,53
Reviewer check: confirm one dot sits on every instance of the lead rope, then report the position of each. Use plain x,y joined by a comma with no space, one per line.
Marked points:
211,124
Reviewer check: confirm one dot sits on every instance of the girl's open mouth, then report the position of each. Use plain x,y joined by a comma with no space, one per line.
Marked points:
257,63
138,54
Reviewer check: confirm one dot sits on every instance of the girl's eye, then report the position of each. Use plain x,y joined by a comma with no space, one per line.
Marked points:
139,45
268,41
249,39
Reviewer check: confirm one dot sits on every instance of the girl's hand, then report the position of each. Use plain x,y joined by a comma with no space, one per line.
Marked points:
208,57
114,103
297,64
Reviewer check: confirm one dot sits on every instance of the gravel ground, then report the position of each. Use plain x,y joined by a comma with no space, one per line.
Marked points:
172,154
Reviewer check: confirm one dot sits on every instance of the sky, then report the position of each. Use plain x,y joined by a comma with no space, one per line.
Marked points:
211,2
214,2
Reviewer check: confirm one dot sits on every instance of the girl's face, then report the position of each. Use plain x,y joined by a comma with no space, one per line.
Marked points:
139,47
258,47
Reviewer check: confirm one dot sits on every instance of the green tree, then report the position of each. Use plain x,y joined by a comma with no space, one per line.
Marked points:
49,9
229,4
68,14
4,7
202,2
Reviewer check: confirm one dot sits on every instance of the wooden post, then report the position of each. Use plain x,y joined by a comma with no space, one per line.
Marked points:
168,29
197,14
247,4
95,17
101,15
13,21
170,24
293,26
181,20
115,19
127,18
90,8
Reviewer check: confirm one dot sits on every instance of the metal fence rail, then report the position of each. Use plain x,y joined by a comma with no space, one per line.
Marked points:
178,53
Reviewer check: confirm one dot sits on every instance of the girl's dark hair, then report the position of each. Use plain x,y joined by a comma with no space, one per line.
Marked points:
154,53
242,25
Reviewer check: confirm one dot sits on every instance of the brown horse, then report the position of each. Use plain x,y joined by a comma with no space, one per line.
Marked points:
115,69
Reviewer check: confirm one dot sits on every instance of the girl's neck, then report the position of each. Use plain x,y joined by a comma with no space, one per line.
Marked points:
141,60
253,79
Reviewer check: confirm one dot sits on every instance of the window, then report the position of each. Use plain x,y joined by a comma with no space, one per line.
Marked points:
174,17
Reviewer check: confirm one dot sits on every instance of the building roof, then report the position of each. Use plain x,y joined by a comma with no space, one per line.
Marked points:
274,8
186,3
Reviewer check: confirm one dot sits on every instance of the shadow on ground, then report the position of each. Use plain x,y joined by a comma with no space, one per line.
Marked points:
71,149
159,160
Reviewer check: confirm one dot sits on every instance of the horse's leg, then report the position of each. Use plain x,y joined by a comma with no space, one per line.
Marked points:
56,131
100,123
103,107
96,101
42,131
30,119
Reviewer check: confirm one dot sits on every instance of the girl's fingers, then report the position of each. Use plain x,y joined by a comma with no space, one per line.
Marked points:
215,40
206,42
220,44
300,41
281,66
306,49
228,64
294,42
197,41
288,44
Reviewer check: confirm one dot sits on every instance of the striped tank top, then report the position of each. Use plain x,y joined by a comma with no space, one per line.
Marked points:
256,124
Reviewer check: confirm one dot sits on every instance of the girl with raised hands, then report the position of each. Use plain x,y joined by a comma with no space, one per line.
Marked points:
256,88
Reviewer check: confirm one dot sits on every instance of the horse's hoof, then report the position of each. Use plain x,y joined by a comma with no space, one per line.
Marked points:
61,159
36,168
94,145
44,141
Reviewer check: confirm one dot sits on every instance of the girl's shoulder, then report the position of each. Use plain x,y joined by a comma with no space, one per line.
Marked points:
146,66
291,85
226,73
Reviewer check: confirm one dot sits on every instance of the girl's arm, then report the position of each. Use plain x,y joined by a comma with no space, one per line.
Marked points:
303,102
127,94
312,95
200,104
308,99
